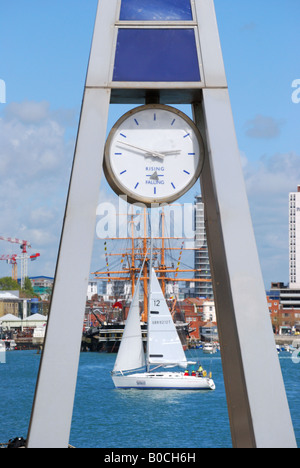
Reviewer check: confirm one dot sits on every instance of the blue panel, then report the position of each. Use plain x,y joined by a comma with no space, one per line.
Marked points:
156,10
156,55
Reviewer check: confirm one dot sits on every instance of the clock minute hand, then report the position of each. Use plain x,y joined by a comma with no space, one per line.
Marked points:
152,153
170,153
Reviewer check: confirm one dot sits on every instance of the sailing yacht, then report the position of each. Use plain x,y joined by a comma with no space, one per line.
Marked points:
164,349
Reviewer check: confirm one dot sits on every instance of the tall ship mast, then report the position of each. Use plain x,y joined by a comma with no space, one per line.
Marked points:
124,258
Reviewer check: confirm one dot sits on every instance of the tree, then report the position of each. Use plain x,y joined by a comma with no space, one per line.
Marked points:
28,286
28,289
8,284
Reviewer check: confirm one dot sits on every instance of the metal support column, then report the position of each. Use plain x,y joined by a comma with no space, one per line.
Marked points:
256,397
51,417
53,406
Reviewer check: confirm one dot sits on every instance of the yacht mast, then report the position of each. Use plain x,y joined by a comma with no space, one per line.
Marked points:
149,294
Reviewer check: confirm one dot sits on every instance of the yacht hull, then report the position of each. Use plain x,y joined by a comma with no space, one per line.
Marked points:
163,381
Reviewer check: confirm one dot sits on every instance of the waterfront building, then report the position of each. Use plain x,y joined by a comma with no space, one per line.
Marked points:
9,303
284,306
192,309
10,322
209,311
202,265
289,298
285,320
199,314
42,286
284,300
209,332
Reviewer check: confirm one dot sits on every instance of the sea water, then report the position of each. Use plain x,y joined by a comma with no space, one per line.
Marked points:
105,417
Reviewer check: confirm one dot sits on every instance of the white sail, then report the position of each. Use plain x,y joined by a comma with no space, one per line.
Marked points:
131,352
164,349
164,345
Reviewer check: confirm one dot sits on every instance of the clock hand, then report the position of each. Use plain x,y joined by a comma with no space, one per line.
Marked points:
150,152
169,153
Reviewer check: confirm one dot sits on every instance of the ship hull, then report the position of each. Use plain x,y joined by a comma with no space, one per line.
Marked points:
162,381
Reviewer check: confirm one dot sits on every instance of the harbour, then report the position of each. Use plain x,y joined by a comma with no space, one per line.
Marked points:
103,330
108,418
156,118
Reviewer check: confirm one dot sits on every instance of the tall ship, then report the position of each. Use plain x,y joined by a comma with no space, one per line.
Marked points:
124,259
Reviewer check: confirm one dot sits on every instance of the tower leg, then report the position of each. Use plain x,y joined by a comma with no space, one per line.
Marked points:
54,398
256,397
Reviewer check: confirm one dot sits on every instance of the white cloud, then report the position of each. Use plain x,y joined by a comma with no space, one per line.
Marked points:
35,162
269,182
28,111
273,176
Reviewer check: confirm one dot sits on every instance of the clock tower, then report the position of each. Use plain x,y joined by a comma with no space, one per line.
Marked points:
166,52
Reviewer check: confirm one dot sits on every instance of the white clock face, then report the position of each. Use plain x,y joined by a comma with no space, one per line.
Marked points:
153,154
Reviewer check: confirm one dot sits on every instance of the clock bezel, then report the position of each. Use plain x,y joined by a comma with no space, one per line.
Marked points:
115,182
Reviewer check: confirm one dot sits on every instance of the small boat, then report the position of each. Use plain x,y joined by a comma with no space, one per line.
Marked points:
164,350
209,348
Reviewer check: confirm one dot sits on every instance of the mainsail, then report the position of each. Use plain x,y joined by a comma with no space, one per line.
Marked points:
164,345
131,352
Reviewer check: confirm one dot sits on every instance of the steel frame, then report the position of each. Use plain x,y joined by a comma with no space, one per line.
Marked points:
257,402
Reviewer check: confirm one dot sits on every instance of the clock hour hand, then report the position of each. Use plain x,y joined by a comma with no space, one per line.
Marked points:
148,152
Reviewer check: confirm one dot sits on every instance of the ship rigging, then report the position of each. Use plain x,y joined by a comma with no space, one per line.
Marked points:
128,260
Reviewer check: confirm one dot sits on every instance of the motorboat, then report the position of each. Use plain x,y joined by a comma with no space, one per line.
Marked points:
209,348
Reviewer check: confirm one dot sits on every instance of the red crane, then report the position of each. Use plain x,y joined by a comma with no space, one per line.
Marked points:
24,257
12,260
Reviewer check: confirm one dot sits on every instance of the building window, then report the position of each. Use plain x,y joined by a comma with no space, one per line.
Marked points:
156,10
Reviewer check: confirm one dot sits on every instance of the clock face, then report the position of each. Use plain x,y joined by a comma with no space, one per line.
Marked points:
153,154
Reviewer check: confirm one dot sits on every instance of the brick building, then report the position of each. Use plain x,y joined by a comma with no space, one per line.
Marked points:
9,304
283,317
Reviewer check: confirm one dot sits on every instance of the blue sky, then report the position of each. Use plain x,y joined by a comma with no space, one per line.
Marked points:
44,51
